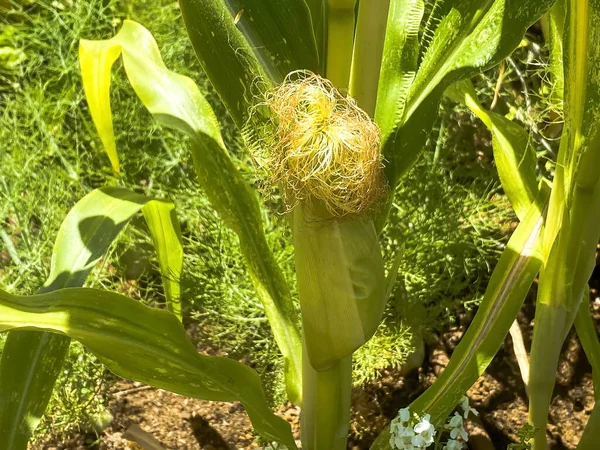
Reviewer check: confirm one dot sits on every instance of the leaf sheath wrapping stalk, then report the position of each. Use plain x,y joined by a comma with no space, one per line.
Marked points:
341,284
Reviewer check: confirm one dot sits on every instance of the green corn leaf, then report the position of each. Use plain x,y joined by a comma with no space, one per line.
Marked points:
571,234
32,360
225,55
341,284
318,16
514,156
280,33
176,102
245,46
399,63
507,289
586,332
93,224
466,36
553,24
144,344
591,433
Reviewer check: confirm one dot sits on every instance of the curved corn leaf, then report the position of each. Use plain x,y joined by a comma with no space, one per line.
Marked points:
96,220
176,102
32,360
514,156
244,46
508,286
280,33
469,35
144,344
571,234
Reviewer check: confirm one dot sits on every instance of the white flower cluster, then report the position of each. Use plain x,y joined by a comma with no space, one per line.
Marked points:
406,437
403,436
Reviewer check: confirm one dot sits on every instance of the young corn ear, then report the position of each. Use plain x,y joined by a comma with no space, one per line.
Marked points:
324,153
341,284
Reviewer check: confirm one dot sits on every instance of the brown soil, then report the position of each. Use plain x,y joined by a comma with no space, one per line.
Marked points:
499,395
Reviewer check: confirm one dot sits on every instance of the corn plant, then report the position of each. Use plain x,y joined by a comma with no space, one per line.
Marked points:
334,100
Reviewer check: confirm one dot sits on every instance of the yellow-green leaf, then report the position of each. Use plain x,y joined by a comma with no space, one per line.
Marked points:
144,344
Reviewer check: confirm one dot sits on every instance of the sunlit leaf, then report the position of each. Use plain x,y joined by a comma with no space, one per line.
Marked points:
514,155
175,101
32,360
144,344
571,234
463,37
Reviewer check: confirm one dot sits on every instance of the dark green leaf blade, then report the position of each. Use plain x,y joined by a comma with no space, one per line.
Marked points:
281,34
225,55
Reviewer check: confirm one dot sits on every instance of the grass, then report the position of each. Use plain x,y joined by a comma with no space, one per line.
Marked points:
447,220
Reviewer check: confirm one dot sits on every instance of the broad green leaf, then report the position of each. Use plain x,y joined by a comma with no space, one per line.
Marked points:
247,45
225,55
144,344
93,224
507,289
399,63
280,33
513,154
176,102
465,37
32,360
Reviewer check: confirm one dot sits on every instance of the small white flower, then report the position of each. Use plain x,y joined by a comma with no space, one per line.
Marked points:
405,437
404,415
453,444
418,442
425,430
464,403
403,440
456,427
